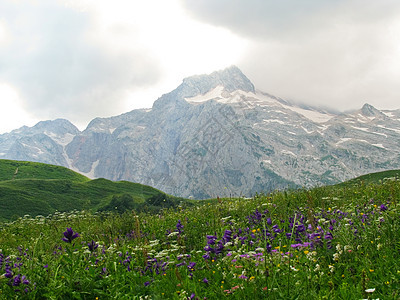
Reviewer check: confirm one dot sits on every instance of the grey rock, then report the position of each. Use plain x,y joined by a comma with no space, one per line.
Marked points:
216,135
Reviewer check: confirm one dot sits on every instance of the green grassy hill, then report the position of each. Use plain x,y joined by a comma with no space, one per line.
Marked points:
331,242
41,189
373,177
11,169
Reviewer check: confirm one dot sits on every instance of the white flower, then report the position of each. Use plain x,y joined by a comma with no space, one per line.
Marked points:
331,268
370,290
173,234
347,247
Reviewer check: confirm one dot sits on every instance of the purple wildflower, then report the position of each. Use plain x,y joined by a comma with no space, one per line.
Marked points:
70,235
92,246
179,227
191,265
228,235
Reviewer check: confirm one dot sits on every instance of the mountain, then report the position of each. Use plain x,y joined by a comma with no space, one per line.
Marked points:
41,189
217,135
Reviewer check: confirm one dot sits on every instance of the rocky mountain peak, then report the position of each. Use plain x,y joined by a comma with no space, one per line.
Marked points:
212,136
370,111
58,127
231,79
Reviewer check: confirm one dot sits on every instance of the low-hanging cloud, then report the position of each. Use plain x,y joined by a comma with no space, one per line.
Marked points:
52,57
338,53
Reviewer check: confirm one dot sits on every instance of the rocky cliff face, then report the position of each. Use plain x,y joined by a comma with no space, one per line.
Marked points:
217,135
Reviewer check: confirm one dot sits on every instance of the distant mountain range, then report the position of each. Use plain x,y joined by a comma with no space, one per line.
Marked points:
217,135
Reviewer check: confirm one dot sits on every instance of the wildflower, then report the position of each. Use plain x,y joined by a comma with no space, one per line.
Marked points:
383,207
331,268
179,227
92,246
70,235
172,234
370,290
227,235
205,280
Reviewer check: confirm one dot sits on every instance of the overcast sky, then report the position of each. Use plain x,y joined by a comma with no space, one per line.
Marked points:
79,59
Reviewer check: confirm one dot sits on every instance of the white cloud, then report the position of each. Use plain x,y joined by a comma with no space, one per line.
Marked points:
82,59
330,53
12,115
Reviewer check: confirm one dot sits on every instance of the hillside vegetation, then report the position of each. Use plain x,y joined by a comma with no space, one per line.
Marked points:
373,177
334,242
41,189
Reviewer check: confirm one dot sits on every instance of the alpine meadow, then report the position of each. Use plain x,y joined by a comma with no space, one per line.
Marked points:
331,242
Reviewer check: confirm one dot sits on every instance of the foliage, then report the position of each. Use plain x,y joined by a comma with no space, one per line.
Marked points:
335,242
40,189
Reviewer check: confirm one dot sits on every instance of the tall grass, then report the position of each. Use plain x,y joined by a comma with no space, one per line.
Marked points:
325,243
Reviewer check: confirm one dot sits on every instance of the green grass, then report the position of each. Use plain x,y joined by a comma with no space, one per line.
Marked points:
333,242
374,177
11,169
41,189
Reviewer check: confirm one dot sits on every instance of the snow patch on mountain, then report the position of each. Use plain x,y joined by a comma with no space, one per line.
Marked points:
216,93
312,115
361,128
387,128
343,140
379,146
251,100
288,153
274,121
306,130
62,140
389,114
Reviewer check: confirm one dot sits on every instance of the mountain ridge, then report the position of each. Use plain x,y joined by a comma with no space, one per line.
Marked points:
216,135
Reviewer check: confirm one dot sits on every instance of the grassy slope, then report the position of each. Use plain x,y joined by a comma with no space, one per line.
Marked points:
40,189
32,170
372,177
355,249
